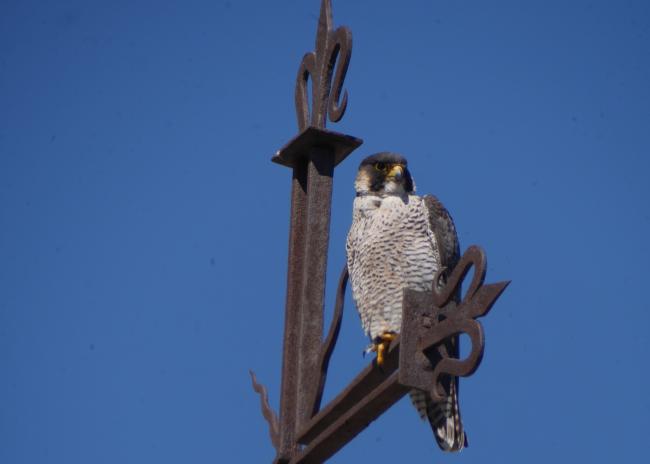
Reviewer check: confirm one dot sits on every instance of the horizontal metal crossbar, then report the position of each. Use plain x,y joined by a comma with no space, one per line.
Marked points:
367,397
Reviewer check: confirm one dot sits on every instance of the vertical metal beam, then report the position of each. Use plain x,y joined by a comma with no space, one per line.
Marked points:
292,320
312,155
320,173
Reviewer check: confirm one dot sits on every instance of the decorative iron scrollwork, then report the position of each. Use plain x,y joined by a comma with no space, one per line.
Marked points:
268,413
431,318
319,66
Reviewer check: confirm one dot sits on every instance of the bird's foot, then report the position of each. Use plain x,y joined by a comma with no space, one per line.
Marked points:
381,345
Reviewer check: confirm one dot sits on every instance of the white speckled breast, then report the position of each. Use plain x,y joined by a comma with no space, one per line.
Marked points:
390,247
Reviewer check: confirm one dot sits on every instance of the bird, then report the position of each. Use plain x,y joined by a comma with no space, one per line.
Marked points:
400,240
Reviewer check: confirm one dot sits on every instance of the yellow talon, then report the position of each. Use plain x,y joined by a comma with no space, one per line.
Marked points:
383,345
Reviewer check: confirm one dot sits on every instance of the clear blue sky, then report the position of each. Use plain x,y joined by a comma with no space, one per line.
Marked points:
143,228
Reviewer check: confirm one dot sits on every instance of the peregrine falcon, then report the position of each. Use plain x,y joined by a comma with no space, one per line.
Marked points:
400,240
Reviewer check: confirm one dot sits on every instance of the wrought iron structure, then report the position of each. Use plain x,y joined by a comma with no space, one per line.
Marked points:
304,432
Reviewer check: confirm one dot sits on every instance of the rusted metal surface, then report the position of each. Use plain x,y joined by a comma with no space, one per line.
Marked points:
294,151
267,412
290,353
332,335
320,173
319,67
422,354
429,318
353,420
362,385
312,155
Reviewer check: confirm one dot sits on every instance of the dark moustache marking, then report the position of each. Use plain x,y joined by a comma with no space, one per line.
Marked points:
377,179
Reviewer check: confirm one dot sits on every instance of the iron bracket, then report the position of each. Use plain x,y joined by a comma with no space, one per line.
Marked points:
431,318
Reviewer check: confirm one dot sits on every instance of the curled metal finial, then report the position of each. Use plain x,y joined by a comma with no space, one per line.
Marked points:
319,66
267,411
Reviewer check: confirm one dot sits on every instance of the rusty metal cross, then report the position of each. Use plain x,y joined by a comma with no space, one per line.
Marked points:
304,432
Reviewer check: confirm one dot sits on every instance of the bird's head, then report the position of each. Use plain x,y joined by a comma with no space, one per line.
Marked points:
384,173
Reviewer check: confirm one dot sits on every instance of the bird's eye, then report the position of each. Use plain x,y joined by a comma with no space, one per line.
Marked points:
380,166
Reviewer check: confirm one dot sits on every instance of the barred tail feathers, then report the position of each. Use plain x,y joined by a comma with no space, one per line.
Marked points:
444,418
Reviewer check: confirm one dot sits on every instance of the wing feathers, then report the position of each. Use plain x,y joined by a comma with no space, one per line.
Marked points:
444,230
444,416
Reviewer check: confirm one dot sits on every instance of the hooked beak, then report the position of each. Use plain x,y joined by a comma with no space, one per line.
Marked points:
396,173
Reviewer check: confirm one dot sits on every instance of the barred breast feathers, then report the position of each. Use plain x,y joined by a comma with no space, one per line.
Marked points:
390,247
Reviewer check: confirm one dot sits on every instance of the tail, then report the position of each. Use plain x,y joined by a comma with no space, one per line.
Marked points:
443,416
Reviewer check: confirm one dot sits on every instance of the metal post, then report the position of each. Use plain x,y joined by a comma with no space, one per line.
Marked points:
320,173
292,322
312,155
